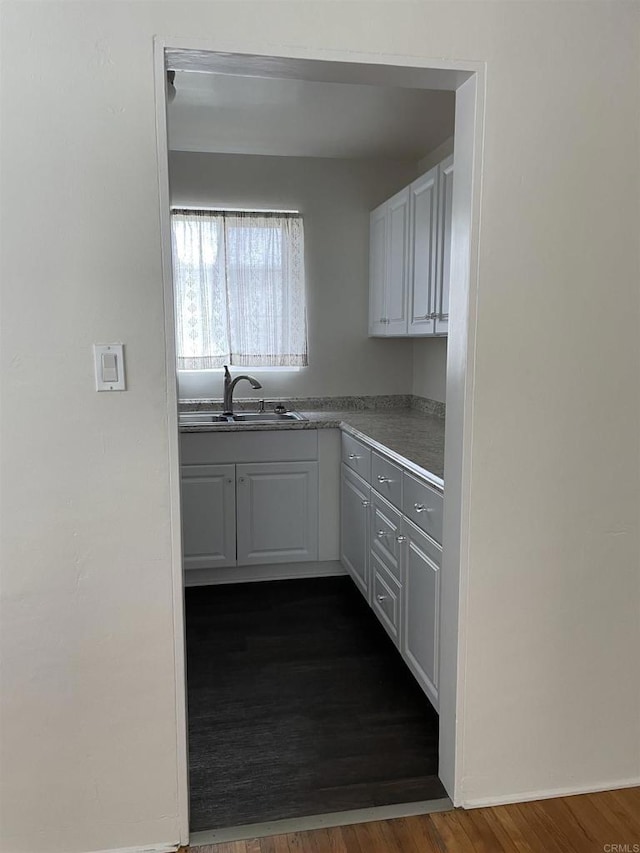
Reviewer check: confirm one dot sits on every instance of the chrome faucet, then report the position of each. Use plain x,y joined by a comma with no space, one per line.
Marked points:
230,384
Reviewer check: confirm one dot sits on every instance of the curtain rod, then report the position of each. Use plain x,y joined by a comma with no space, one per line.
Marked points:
178,208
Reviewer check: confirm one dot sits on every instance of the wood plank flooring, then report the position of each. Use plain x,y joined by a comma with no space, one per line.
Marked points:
299,704
589,823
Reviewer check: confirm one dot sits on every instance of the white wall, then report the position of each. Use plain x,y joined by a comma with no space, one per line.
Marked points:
335,197
552,683
431,159
430,368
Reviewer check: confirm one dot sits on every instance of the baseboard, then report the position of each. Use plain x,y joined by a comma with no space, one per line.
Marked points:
250,574
320,821
153,848
548,794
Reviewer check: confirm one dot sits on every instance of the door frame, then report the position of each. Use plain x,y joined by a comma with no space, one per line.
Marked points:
468,80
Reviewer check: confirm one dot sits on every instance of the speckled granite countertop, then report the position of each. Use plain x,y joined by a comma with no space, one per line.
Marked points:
412,438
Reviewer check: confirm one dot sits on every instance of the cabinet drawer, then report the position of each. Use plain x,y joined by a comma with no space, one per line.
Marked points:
385,530
357,456
422,505
386,599
386,479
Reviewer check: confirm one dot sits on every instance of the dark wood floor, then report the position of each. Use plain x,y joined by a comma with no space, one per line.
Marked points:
299,704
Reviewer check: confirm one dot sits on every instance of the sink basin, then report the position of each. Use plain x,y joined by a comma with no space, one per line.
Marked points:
192,418
266,417
202,418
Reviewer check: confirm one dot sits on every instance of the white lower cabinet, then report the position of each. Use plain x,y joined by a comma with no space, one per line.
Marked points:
421,607
209,516
386,598
385,533
394,563
277,512
251,499
386,568
354,522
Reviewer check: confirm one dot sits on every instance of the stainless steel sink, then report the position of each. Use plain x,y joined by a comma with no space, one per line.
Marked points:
202,418
194,418
266,417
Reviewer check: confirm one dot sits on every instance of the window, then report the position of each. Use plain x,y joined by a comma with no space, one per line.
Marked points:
239,288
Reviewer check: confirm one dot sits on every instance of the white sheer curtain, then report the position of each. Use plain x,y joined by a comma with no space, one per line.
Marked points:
239,287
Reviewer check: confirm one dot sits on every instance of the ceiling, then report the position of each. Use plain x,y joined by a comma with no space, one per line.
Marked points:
231,113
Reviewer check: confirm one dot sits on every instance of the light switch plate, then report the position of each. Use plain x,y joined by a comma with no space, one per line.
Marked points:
109,367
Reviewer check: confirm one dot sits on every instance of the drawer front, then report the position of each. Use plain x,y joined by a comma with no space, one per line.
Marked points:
386,479
357,456
386,599
385,530
423,506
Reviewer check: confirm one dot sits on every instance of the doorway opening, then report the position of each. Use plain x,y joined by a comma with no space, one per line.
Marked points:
313,685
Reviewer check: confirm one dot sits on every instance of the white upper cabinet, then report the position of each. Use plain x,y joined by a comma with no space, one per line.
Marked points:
389,266
424,226
397,264
377,270
410,247
443,255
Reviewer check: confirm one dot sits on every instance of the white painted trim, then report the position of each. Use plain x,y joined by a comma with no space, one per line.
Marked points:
549,794
154,848
467,186
271,52
460,369
179,651
227,209
251,574
320,821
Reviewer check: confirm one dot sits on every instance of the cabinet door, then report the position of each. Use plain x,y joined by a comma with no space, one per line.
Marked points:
277,512
423,241
397,263
354,514
377,270
421,610
208,516
443,260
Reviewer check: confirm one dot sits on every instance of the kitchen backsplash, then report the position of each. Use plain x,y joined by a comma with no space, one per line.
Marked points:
385,402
